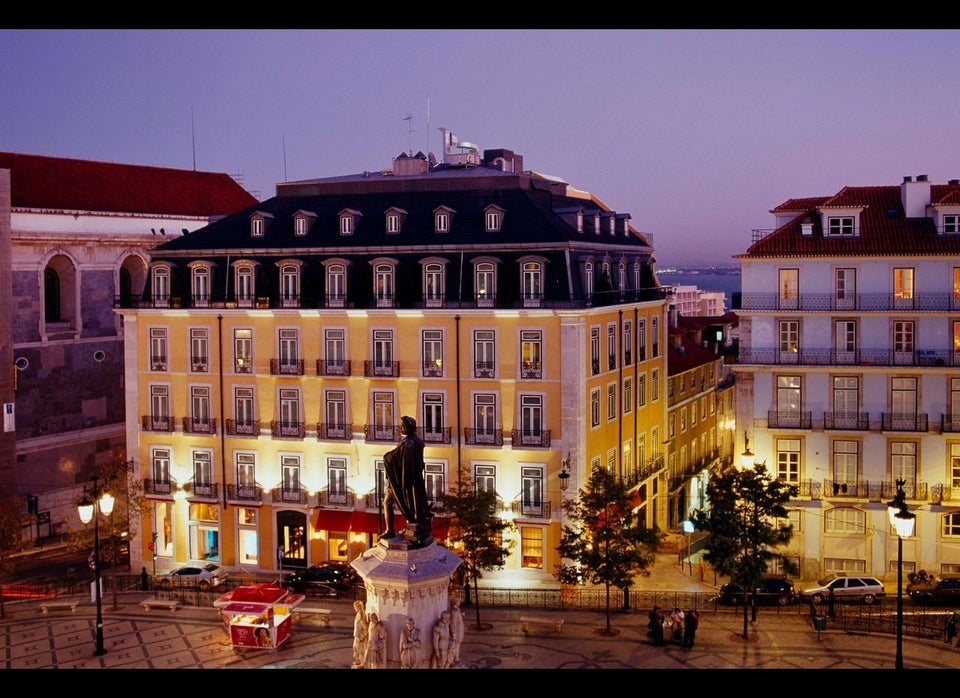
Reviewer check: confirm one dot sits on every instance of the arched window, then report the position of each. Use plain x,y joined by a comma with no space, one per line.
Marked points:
51,295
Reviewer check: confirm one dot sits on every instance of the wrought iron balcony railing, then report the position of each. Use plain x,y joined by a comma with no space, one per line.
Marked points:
243,427
534,438
381,432
903,422
434,436
159,487
483,437
244,493
288,430
856,357
150,423
201,490
286,367
857,421
288,495
381,369
863,302
199,425
334,432
337,498
339,367
788,419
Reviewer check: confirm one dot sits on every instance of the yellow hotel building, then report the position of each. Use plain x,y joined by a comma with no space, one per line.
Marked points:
271,354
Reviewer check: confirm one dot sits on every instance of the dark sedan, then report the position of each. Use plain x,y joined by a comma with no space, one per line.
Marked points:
943,590
323,579
773,591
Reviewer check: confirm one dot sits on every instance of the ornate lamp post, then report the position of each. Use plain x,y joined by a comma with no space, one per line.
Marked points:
903,521
86,510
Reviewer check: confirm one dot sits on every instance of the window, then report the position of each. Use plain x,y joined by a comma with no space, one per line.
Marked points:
486,283
532,282
955,335
337,480
300,226
588,279
903,396
627,343
433,480
655,331
655,443
432,424
493,220
531,420
789,288
335,414
531,491
334,351
431,345
243,410
845,520
840,225
788,460
845,341
595,407
903,463
672,424
290,285
289,350
641,340
846,465
846,400
611,401
655,384
611,347
789,340
244,281
383,285
531,353
200,412
290,422
161,285
160,407
642,389
951,224
683,419
158,348
200,286
346,224
641,450
789,401
485,478
384,421
484,353
951,524
246,473
627,395
441,222
595,350
485,421
845,289
202,472
243,350
289,476
256,227
531,547
903,341
160,466
336,285
383,352
433,288
954,398
199,350
393,223
902,285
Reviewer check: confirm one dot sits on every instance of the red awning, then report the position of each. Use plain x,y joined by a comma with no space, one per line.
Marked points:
332,520
355,521
440,527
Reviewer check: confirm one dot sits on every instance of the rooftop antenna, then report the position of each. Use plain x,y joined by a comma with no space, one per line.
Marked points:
193,139
283,143
428,123
409,119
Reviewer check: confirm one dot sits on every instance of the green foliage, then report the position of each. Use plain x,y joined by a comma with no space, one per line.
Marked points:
11,524
747,522
603,543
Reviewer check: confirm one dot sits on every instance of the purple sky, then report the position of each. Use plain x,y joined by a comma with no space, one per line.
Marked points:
696,133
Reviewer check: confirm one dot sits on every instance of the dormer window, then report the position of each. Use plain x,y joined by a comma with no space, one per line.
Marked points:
951,224
494,219
596,224
395,218
258,223
579,221
840,226
442,219
349,219
302,222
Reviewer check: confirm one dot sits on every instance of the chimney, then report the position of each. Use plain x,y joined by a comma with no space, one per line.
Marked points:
915,196
806,227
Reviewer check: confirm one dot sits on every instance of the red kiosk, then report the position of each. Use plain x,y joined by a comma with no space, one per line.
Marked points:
258,615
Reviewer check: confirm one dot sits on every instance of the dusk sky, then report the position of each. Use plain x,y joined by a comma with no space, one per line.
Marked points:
696,134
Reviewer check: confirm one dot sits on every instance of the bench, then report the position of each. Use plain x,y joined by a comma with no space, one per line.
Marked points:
527,622
59,606
171,604
321,614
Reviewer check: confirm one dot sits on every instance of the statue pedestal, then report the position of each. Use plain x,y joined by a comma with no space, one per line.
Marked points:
404,581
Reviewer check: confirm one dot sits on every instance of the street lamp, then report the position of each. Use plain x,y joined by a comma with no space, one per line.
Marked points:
903,522
747,457
86,508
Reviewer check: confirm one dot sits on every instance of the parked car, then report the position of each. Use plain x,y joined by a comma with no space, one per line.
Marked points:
845,588
331,578
775,590
206,576
939,590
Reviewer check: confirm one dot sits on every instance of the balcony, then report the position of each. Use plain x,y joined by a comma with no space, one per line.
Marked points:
484,369
875,491
338,498
245,494
288,430
381,432
335,300
289,300
853,421
288,495
334,432
151,423
531,509
163,488
195,425
903,422
856,357
286,367
833,489
158,363
533,438
381,369
863,302
483,437
531,369
336,367
788,419
201,491
243,364
243,427
644,471
950,423
432,369
434,436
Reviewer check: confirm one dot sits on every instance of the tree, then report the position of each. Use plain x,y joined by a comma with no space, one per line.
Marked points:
477,533
603,542
12,520
747,522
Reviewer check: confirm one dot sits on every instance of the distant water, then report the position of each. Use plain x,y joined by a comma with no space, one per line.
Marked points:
705,280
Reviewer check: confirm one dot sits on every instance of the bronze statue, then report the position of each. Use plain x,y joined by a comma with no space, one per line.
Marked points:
404,470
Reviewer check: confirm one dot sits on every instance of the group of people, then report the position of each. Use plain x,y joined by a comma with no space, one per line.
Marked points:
682,626
370,638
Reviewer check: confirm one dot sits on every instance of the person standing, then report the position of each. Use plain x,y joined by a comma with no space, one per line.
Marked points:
951,626
691,621
144,579
361,634
676,625
410,645
376,657
655,625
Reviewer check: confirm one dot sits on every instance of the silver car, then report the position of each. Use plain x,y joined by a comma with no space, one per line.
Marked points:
205,576
843,587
